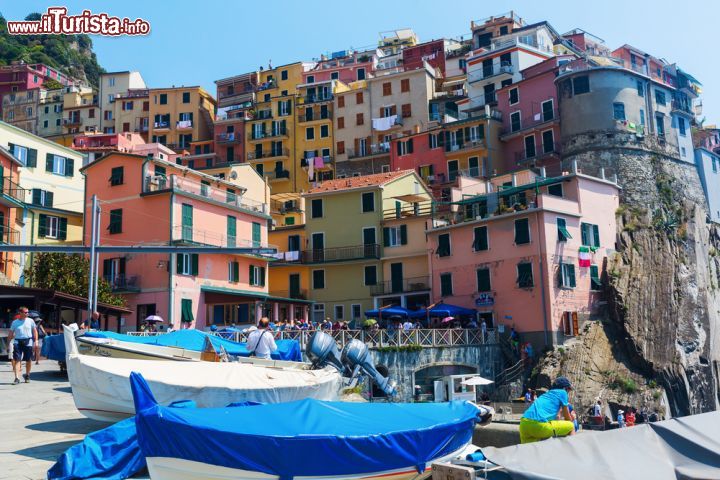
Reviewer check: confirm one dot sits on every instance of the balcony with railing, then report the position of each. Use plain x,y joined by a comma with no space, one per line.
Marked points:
333,254
683,105
219,195
299,294
9,236
123,283
520,41
466,145
264,155
408,209
12,193
484,73
161,125
324,163
529,123
186,235
228,137
265,114
276,176
317,98
374,149
311,115
73,121
541,152
403,285
184,125
263,134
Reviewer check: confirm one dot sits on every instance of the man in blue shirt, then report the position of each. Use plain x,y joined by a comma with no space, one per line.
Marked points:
539,422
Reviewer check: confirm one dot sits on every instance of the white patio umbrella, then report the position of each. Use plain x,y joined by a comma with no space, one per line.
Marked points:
154,318
474,381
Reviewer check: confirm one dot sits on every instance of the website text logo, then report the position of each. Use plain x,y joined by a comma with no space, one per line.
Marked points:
56,21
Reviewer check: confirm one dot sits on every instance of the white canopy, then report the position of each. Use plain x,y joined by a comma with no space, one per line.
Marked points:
477,381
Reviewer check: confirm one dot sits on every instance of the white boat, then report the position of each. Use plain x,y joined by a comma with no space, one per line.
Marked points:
111,348
101,386
307,439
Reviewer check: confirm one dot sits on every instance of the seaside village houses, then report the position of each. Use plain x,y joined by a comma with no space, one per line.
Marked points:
410,174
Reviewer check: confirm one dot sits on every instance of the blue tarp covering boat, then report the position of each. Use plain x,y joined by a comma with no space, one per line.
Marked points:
53,348
303,438
195,340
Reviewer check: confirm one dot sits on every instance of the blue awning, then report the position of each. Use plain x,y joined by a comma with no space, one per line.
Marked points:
448,310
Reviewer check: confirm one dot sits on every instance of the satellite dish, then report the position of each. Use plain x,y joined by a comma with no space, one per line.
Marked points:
233,175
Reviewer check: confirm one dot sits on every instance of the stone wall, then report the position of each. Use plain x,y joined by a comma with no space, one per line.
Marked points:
403,364
663,282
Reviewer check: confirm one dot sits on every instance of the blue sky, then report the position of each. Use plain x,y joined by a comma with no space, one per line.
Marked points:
197,42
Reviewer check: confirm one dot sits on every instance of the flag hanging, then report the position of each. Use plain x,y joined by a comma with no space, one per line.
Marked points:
584,257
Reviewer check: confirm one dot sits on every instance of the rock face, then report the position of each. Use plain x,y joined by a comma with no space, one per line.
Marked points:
663,282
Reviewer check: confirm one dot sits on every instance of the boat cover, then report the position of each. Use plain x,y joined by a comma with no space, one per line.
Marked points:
53,348
685,447
111,453
306,437
195,340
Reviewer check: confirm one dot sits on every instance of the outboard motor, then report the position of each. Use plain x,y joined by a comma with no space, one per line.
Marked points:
322,350
357,355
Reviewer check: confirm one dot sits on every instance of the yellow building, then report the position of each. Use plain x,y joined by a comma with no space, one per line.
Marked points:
472,148
289,277
315,139
80,110
339,254
180,115
131,111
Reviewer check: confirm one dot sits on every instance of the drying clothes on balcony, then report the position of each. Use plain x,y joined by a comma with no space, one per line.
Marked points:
319,163
584,258
384,123
311,169
537,117
184,124
292,256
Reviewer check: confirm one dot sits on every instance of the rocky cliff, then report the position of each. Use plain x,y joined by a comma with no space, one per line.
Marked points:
663,284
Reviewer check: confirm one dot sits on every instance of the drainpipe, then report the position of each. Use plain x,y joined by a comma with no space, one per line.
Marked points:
171,265
542,277
32,241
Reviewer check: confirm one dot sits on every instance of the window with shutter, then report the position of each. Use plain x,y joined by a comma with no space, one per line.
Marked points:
340,122
595,283
115,221
480,241
187,222
443,249
31,158
563,234
316,210
483,280
116,176
318,277
186,310
359,98
341,101
370,275
403,235
406,110
446,286
256,234
359,119
387,88
368,202
567,275
522,231
231,231
525,275
42,226
590,235
62,228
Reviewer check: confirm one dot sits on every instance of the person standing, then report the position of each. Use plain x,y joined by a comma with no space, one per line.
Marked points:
539,422
41,334
597,408
23,334
260,342
621,419
483,329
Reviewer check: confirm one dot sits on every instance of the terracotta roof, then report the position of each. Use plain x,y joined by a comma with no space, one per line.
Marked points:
376,179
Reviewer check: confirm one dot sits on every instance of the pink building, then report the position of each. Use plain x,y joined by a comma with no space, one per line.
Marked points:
146,201
98,144
526,251
20,77
344,66
427,157
531,124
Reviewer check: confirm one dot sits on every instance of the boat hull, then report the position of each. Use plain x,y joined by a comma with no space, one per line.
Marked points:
101,386
108,349
164,468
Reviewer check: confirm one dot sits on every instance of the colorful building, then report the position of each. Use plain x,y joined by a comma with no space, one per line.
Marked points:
53,191
12,198
50,110
112,86
344,66
19,77
180,116
81,110
151,201
21,109
531,123
131,112
525,251
95,145
339,255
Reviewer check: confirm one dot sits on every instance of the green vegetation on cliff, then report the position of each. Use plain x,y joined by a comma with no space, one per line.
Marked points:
71,54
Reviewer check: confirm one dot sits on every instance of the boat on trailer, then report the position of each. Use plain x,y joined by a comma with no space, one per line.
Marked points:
305,439
101,387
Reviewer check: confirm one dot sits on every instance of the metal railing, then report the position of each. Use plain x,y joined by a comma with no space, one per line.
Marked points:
338,254
425,337
71,121
316,98
123,283
262,115
275,132
541,151
489,72
404,285
305,162
299,294
277,175
12,189
156,183
9,235
159,125
282,152
530,122
466,145
374,149
405,210
316,114
197,236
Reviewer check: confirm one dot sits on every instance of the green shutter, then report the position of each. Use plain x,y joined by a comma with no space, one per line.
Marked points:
236,271
31,157
446,284
403,235
410,146
262,276
443,245
252,274
49,162
36,196
187,222
386,236
69,167
317,208
563,234
62,228
595,283
596,236
195,261
525,279
584,234
49,196
180,262
483,280
481,241
107,267
398,209
186,313
522,231
256,234
42,225
571,275
231,230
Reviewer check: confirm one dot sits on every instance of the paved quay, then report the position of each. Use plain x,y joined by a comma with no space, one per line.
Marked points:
39,421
